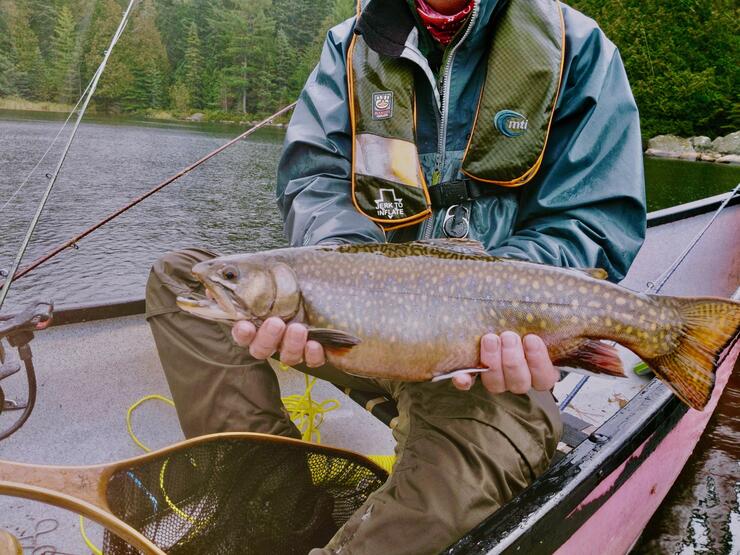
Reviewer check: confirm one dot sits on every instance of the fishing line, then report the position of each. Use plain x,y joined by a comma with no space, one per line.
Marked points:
655,287
74,240
55,175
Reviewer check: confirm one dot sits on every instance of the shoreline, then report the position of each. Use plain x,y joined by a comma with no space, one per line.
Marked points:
684,152
721,150
13,104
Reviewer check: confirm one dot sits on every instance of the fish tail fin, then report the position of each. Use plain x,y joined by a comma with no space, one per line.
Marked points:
709,326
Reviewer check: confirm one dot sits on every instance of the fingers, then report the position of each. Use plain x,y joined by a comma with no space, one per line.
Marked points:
273,335
490,356
314,354
293,345
243,333
262,343
514,364
464,382
543,373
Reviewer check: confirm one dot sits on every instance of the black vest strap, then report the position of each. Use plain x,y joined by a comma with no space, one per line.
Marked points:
450,193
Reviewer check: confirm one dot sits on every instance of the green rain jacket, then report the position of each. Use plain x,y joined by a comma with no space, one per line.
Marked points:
585,207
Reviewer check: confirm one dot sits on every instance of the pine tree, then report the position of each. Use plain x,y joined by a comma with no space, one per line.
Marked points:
143,53
62,82
308,57
7,68
26,57
246,54
193,67
116,79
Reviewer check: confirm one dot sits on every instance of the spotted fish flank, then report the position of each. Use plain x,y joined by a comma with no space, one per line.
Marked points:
416,311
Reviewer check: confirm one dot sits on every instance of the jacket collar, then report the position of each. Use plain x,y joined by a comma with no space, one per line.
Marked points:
386,24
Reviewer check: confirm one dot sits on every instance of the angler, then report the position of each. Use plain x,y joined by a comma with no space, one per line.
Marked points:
508,122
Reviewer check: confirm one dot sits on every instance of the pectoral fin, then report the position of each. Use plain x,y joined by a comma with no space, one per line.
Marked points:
333,340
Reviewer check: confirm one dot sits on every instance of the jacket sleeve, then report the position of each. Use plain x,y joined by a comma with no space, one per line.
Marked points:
314,174
586,207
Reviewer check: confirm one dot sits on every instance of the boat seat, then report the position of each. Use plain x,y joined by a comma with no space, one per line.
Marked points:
575,430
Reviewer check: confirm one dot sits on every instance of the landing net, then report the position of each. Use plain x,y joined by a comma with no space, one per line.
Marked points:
237,496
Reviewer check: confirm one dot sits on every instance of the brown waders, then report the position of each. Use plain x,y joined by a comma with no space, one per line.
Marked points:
461,454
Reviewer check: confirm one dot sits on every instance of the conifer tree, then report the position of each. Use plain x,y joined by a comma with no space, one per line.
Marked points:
7,68
26,56
62,78
117,77
144,55
193,67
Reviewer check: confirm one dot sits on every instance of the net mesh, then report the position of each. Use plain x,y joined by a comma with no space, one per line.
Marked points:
234,496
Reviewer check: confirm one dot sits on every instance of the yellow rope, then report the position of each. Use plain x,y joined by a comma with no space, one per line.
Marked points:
90,545
307,414
135,406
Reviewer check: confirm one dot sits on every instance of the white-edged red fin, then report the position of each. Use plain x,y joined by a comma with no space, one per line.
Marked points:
590,354
709,325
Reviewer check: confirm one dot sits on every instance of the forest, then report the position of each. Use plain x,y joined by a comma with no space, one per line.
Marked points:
239,59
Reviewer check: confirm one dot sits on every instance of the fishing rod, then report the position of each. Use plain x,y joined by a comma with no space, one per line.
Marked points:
74,240
63,157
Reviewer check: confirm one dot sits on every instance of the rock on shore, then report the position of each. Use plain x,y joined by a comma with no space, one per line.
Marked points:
723,150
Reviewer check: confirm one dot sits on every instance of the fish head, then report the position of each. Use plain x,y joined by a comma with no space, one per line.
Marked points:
245,288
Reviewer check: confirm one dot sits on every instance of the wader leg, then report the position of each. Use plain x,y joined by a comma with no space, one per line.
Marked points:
216,385
461,455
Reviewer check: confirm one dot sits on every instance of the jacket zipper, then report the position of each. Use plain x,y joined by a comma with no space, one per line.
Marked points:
444,115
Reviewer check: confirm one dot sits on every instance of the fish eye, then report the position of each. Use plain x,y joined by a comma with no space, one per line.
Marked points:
230,273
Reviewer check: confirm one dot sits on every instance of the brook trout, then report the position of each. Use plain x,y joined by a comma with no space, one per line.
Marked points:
417,311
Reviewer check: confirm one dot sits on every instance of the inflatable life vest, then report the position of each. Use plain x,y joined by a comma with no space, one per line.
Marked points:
513,118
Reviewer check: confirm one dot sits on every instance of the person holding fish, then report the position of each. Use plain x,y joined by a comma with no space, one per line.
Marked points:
510,123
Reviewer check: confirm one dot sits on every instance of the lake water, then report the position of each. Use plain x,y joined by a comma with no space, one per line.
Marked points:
228,205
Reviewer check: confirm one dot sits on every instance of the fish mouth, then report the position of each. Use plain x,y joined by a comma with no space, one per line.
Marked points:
220,305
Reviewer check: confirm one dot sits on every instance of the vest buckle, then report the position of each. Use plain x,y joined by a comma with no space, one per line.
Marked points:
456,224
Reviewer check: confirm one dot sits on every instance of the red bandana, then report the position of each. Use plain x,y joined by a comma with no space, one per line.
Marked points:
443,27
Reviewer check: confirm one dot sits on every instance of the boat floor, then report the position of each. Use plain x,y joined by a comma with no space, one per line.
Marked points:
89,374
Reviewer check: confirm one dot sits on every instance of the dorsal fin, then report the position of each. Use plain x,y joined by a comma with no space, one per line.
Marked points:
461,246
596,273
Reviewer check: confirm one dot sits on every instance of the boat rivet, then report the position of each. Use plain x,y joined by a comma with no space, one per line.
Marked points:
598,438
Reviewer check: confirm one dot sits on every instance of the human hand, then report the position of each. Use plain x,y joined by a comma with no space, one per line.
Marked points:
514,364
275,335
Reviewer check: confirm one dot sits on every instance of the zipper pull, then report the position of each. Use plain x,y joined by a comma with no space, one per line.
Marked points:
436,176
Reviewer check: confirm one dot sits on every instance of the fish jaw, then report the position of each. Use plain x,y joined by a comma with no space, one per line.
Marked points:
208,310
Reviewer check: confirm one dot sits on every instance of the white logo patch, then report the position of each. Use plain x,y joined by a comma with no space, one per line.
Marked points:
388,205
383,105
